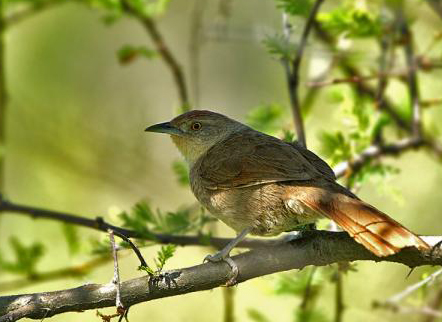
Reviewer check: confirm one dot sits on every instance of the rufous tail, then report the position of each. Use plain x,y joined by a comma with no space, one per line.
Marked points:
370,227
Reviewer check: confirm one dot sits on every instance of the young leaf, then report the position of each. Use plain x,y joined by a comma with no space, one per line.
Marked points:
182,172
295,7
257,316
72,238
266,118
279,47
164,254
26,257
128,53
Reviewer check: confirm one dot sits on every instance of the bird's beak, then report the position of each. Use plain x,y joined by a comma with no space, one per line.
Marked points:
165,127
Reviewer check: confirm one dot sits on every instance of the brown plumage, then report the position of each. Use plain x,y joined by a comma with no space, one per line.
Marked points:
259,184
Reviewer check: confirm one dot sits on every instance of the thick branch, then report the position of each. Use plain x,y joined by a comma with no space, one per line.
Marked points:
319,249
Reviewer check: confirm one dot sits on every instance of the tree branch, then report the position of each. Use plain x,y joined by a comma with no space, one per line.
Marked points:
292,73
376,151
410,59
99,224
163,50
53,275
318,248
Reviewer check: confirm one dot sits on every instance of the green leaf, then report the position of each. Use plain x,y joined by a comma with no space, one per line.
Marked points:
164,254
295,7
280,47
150,8
296,284
267,118
310,315
354,22
26,257
181,170
72,238
128,53
335,146
145,221
257,316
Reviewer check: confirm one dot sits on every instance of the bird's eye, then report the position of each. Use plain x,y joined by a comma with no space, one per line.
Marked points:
196,126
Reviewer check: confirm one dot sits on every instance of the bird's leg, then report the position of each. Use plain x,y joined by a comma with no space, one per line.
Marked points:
223,255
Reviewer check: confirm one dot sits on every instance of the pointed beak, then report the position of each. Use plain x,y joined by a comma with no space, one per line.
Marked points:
165,127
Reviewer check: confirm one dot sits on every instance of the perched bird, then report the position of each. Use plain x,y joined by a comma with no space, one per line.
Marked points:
259,184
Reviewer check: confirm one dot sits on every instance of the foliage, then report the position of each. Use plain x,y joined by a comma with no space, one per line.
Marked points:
267,118
279,47
146,221
295,7
306,286
257,316
181,171
26,257
72,238
128,53
351,21
163,255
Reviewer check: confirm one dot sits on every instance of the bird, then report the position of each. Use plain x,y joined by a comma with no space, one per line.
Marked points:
260,185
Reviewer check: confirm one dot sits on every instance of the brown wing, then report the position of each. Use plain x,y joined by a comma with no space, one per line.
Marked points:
253,158
316,161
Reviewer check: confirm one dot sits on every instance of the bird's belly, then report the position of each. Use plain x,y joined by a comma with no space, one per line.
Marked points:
264,209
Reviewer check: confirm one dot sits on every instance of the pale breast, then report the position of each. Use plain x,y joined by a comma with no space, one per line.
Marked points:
266,208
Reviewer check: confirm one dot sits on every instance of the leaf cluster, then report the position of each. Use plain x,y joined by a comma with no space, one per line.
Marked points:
25,260
352,21
163,255
146,221
267,118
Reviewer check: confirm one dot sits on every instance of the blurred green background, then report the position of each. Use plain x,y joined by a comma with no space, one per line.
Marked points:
75,142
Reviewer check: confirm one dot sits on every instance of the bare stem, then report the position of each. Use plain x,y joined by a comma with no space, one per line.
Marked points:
410,59
3,96
164,51
293,71
116,277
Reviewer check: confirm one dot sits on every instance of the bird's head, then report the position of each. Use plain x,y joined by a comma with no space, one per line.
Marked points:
197,131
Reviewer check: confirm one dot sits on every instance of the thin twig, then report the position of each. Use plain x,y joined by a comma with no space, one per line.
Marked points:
307,297
195,43
376,151
339,295
434,304
293,71
407,40
116,277
229,304
132,245
164,51
3,94
412,288
363,89
53,275
101,225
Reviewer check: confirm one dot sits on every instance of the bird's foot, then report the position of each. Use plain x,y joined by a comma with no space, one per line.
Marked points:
224,257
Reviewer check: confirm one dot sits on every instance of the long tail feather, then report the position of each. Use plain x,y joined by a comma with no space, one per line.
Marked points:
370,227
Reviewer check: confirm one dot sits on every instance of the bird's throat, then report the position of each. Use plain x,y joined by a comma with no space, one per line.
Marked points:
190,151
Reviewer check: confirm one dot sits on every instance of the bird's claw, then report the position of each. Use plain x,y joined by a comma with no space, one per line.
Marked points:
220,257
